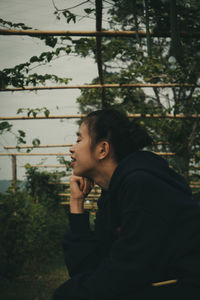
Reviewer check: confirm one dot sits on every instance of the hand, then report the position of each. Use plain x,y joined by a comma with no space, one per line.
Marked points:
79,188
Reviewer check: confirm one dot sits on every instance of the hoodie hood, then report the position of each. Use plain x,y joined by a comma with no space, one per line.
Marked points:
150,163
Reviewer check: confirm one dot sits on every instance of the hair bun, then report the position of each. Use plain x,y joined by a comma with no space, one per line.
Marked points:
139,136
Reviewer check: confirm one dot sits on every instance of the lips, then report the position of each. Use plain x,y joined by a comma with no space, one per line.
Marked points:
73,160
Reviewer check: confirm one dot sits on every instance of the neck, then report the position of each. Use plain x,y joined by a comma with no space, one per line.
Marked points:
104,174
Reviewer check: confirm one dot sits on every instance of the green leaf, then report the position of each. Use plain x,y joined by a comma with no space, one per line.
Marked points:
34,59
47,112
29,113
89,10
50,41
5,126
34,114
36,142
49,56
22,133
27,166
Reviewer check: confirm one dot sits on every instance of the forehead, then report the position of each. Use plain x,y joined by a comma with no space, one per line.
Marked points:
83,130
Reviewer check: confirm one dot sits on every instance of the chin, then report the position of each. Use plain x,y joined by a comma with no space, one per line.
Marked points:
81,173
78,173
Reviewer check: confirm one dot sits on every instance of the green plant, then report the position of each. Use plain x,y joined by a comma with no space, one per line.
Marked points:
31,231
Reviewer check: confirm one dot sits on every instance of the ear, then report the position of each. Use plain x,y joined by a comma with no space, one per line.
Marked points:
103,150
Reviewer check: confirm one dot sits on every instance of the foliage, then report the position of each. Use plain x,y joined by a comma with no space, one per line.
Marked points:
31,233
34,112
21,75
65,162
43,187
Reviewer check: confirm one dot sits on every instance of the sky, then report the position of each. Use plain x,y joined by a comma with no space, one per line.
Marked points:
18,49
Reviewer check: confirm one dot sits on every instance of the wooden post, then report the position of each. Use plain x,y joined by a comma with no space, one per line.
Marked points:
14,172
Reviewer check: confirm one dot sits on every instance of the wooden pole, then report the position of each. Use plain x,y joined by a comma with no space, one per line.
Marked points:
35,154
40,146
98,5
105,85
64,154
14,172
106,33
137,116
46,166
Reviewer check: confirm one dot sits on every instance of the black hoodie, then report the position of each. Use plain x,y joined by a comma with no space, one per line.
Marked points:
147,230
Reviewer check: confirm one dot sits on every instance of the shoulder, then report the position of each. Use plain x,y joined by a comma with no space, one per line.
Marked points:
137,179
141,190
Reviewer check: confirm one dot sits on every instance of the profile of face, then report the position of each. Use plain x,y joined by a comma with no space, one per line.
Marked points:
84,159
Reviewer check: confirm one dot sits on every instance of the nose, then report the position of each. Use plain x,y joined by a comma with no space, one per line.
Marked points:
71,149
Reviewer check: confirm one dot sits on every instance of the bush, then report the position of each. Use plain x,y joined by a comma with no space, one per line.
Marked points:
43,188
30,233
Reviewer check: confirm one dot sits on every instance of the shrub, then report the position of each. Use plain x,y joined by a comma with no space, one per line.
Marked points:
30,233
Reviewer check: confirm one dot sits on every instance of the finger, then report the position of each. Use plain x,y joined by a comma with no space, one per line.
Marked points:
85,189
81,183
91,184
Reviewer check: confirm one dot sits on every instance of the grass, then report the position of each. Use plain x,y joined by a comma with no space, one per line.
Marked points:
38,284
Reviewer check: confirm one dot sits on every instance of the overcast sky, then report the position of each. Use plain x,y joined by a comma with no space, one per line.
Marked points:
14,50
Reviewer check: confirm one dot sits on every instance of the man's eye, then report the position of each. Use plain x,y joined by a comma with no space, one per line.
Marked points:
78,141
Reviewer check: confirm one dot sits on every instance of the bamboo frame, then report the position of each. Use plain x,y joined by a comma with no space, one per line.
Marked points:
89,33
105,85
98,33
79,116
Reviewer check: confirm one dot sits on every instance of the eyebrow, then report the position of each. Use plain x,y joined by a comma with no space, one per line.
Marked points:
78,134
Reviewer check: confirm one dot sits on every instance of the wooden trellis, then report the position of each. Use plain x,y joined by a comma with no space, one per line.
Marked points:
98,33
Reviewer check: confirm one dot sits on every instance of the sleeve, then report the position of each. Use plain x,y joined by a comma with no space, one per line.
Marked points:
82,249
136,258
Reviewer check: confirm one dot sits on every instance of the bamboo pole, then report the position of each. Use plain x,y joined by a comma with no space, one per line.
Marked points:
35,154
91,195
79,116
14,172
44,117
106,33
195,187
165,153
105,85
96,188
56,145
161,283
65,154
40,146
46,166
91,206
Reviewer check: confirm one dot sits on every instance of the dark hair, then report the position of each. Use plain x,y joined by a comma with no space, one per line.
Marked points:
125,136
